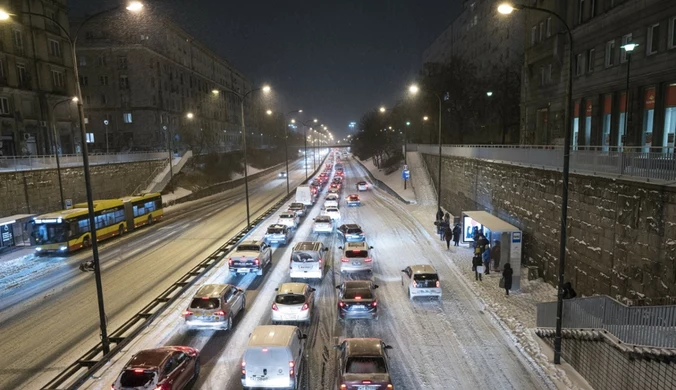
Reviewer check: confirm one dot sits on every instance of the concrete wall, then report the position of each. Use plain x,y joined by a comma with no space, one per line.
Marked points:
36,192
622,234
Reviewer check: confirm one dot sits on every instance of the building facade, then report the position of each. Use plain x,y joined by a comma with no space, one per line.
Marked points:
141,77
36,79
603,73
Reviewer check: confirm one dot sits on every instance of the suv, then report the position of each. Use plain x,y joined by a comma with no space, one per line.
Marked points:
277,234
357,300
289,219
214,306
298,208
362,364
421,281
294,303
351,232
250,256
356,257
160,368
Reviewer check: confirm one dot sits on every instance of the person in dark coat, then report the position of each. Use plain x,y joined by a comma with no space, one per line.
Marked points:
476,262
568,292
442,229
486,258
507,273
457,230
447,219
475,236
448,236
482,243
440,215
495,255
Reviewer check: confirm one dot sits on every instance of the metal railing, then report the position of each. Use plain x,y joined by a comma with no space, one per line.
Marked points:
633,162
653,326
29,163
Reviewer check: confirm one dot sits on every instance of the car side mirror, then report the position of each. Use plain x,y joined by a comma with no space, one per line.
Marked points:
304,336
338,286
313,289
326,248
277,289
340,247
403,270
336,347
375,286
313,219
370,247
388,347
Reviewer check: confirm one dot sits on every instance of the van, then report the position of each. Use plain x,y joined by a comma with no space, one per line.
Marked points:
274,358
304,195
307,260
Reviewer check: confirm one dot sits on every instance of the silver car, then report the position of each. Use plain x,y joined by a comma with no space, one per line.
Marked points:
294,303
214,306
322,224
421,281
356,257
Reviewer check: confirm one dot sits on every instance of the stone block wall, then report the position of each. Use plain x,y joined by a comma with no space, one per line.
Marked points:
621,233
37,192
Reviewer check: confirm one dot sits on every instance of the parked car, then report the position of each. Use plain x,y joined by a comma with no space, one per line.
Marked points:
294,303
250,256
332,212
363,365
288,218
353,200
421,280
322,224
356,257
277,234
298,208
357,300
214,306
171,368
274,358
351,232
362,186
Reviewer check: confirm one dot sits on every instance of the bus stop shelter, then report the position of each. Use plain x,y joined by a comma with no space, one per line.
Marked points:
15,231
498,232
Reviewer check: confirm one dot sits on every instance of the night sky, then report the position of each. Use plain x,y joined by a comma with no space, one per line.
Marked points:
334,59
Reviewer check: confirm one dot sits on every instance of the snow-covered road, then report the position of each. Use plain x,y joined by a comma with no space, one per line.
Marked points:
447,344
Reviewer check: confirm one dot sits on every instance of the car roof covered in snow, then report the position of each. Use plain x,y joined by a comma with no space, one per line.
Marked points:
364,347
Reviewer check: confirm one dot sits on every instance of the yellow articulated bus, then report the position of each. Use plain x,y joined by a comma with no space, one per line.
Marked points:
68,230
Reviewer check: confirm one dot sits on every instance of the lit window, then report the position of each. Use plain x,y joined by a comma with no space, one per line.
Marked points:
126,117
90,138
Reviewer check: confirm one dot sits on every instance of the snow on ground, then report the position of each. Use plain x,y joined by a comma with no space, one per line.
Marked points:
249,172
393,180
420,180
21,265
177,193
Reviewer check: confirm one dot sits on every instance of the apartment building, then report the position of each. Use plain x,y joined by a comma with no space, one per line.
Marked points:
602,114
141,75
36,79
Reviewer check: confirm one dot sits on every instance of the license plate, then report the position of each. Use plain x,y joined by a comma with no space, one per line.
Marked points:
359,307
274,241
366,387
262,378
356,263
243,270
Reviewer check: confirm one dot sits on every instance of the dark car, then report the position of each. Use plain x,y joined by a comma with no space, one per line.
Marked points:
351,232
362,364
169,368
357,299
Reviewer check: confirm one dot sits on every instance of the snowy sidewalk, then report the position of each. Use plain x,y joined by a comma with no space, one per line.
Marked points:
393,180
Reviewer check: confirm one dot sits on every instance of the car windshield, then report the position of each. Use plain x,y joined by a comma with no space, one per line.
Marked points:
356,253
130,378
322,219
354,230
302,257
331,210
426,280
296,206
361,292
354,198
366,365
275,230
290,299
286,216
204,304
248,248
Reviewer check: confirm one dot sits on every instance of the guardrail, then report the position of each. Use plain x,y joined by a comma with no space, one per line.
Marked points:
653,326
94,359
30,163
632,162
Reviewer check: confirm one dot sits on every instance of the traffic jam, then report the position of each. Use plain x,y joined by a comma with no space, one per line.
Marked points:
327,270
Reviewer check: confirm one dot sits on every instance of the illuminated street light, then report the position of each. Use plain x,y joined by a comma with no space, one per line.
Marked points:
215,91
75,99
382,109
425,118
135,6
413,89
489,93
293,121
266,89
506,8
269,112
629,47
3,15
408,123
190,115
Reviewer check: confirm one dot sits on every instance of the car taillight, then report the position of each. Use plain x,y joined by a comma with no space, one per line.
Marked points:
366,382
343,386
187,313
341,304
274,307
320,261
374,303
368,260
291,366
163,386
345,260
256,261
438,284
230,261
305,307
243,368
357,298
219,313
415,284
389,386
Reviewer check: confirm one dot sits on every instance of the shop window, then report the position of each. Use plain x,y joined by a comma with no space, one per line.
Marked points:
670,120
621,123
648,119
588,123
607,117
576,126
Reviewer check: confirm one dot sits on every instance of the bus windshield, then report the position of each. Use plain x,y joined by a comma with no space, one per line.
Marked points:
50,233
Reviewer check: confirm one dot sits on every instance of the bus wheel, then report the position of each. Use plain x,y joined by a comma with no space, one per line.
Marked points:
121,230
150,220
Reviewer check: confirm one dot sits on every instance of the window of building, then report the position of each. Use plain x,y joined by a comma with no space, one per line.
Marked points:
592,9
549,74
542,31
648,119
103,80
590,60
607,117
86,120
653,39
90,138
102,60
122,62
152,82
623,53
89,34
672,33
580,11
124,82
82,61
576,126
22,74
124,100
579,64
87,99
104,99
126,117
18,39
670,120
549,27
610,53
84,81
4,105
54,48
533,38
2,69
542,76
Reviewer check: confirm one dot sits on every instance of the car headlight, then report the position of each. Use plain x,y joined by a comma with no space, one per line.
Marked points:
38,249
63,248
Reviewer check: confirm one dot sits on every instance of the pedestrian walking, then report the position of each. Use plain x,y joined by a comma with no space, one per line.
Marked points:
447,219
457,230
568,292
495,255
506,281
442,228
440,215
477,266
448,236
486,258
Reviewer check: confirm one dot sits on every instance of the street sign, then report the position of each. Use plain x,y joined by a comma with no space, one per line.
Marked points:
405,167
69,204
406,174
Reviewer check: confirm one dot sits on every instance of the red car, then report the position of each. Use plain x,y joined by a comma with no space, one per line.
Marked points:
163,368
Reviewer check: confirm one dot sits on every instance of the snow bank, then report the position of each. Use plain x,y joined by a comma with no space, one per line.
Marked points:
393,180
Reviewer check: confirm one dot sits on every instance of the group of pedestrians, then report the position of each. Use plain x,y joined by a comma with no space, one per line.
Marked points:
446,233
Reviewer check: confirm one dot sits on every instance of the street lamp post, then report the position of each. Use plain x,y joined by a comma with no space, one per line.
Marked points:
508,9
286,148
629,48
56,148
306,124
72,40
414,89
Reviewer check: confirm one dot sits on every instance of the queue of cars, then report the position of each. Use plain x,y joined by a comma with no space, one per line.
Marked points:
274,355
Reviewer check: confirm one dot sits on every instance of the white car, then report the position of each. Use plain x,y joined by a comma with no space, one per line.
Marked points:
294,303
289,219
322,224
331,203
332,212
362,186
421,281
